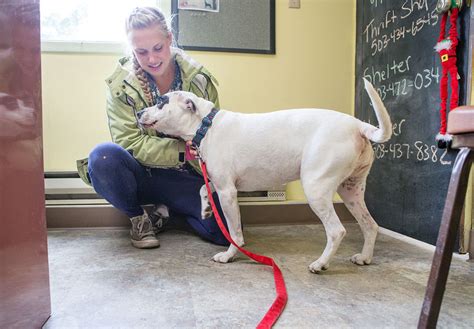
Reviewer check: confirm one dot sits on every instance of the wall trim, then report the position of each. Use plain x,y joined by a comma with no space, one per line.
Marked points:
417,243
256,213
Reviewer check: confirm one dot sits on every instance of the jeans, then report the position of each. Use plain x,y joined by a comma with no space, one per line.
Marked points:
126,184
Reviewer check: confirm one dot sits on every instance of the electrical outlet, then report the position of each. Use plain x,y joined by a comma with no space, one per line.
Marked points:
294,4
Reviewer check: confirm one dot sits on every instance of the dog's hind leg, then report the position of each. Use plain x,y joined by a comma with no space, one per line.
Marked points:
352,193
319,193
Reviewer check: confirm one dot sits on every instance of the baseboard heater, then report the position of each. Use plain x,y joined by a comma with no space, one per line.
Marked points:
271,195
66,188
70,203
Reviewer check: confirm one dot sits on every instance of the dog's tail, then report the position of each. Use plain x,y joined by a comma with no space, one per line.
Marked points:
384,131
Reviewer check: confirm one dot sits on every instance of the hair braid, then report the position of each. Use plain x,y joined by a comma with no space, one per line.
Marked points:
142,78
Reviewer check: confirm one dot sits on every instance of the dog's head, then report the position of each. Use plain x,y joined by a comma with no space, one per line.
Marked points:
179,114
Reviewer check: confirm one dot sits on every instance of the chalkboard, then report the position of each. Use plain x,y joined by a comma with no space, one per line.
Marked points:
408,182
243,26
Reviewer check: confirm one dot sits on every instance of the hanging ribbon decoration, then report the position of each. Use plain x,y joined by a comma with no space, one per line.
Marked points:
446,48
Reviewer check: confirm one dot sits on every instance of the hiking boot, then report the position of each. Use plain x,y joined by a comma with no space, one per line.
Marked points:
142,232
159,217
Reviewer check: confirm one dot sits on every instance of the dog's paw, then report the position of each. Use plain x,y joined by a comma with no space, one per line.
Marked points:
206,212
223,257
360,259
317,267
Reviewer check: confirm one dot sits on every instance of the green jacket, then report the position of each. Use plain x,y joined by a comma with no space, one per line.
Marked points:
125,98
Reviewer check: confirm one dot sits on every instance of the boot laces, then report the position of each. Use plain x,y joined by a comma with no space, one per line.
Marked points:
142,229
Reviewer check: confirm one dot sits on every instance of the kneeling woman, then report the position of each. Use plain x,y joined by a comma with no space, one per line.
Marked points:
141,167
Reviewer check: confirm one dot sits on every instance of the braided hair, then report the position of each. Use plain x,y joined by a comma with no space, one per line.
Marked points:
143,79
141,18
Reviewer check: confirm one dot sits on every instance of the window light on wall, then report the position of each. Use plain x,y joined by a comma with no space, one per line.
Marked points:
88,25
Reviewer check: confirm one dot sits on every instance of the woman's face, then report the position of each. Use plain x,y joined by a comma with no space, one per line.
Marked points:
152,48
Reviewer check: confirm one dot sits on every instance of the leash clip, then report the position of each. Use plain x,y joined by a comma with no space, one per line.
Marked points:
194,147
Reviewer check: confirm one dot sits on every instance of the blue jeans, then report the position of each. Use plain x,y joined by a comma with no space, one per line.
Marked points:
126,184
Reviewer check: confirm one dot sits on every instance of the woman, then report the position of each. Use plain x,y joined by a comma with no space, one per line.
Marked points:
141,167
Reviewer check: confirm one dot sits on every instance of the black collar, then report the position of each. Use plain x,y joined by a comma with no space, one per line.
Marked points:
205,125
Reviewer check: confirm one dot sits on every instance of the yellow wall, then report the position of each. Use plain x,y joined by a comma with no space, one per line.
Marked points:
74,118
313,67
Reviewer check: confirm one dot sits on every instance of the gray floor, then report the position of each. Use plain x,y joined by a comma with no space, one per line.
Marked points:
98,280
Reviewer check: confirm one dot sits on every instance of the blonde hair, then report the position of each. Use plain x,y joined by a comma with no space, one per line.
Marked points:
141,18
144,17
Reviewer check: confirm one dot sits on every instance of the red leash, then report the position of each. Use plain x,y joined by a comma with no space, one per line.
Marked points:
280,301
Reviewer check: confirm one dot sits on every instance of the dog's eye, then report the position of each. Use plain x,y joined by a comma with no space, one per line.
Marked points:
190,105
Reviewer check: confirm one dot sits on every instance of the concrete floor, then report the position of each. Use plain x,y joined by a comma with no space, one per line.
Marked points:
98,280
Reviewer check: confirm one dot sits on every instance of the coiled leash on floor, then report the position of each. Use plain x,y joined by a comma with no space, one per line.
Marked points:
280,301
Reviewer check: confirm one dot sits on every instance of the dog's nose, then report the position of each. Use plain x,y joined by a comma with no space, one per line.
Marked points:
140,113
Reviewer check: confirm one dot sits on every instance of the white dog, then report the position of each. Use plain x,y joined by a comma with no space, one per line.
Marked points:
329,151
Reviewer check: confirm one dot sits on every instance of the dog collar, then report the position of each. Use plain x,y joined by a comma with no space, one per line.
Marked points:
204,127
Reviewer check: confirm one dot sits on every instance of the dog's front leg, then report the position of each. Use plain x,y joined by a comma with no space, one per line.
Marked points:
230,208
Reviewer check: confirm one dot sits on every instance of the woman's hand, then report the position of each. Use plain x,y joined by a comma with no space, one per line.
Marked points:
189,148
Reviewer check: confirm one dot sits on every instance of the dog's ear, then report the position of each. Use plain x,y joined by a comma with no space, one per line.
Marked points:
190,105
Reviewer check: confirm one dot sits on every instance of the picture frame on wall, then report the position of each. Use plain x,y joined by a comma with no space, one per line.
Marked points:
202,5
244,26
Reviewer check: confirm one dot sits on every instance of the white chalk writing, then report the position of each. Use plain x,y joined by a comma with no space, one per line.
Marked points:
418,151
375,3
421,80
411,6
392,27
402,77
389,70
386,84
